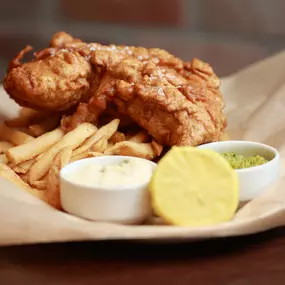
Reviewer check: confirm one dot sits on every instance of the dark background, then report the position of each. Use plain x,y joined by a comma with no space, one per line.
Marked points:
228,34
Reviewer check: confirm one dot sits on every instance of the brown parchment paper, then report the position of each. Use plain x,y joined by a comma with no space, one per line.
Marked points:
255,108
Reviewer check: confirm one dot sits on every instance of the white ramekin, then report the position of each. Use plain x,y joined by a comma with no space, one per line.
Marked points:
254,180
126,205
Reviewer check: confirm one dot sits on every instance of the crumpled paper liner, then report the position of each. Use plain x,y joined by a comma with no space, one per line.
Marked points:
255,108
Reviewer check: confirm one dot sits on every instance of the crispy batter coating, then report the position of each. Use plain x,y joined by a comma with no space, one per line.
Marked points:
176,108
178,103
56,80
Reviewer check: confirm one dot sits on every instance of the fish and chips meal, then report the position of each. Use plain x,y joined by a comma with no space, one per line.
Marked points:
81,100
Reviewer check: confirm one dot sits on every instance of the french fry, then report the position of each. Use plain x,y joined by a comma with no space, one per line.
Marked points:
35,147
24,177
7,173
44,126
24,130
64,157
13,136
39,156
3,159
158,148
17,169
4,146
118,137
113,113
40,185
18,122
142,150
26,112
85,154
25,121
26,117
23,111
72,139
24,167
79,156
106,131
53,192
94,154
100,146
110,145
140,137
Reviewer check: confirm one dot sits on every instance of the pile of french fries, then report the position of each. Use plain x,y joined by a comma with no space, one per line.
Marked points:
34,148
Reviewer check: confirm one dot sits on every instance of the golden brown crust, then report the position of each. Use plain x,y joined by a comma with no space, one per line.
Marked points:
62,38
55,82
176,106
178,103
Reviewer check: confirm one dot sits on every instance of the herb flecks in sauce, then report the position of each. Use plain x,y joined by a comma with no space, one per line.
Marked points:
126,173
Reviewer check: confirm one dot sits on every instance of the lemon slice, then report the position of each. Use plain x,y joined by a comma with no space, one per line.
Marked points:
194,187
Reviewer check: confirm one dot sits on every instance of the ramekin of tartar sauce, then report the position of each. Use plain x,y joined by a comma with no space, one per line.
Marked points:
108,189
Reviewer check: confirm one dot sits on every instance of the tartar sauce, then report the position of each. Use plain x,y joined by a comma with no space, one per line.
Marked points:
127,173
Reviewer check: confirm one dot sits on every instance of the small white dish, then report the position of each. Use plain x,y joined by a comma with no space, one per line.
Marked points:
126,205
254,180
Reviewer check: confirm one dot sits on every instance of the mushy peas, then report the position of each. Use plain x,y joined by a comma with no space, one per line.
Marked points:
238,161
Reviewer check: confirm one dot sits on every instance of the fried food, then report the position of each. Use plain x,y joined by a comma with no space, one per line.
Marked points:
100,146
7,173
26,120
85,154
3,159
55,80
35,147
40,185
27,112
106,131
4,146
44,126
174,109
118,137
35,165
176,102
52,187
72,139
85,100
140,137
142,150
23,167
14,136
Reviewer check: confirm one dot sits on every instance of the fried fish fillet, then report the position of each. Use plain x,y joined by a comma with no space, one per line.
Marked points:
178,103
55,80
176,107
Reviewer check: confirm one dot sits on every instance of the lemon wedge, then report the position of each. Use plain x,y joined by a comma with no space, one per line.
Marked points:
194,187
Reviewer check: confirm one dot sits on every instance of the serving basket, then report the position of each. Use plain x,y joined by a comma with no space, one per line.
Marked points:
255,109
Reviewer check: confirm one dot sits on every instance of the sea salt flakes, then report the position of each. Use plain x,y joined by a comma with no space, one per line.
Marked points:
160,92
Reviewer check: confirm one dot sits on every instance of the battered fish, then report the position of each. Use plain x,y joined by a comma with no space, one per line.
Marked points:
178,103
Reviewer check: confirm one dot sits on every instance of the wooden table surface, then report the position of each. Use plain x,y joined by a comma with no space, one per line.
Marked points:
257,259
